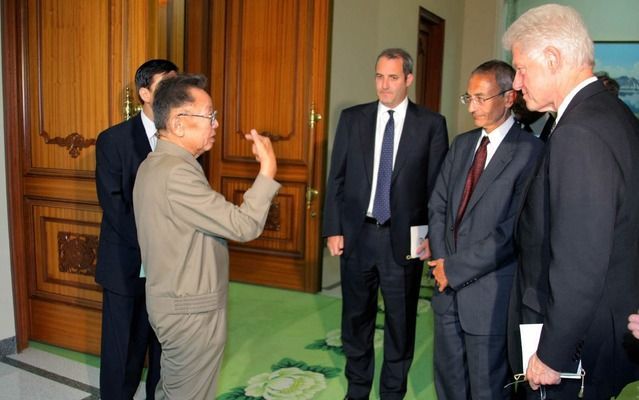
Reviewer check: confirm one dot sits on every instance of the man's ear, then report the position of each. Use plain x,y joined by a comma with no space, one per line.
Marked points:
511,97
552,56
176,126
145,94
409,79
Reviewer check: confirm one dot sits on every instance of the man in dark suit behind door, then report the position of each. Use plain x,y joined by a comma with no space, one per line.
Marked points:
126,333
578,230
385,159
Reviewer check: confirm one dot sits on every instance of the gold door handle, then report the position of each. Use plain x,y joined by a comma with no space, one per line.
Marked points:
129,108
313,117
311,194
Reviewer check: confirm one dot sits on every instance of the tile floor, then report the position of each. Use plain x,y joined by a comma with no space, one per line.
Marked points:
36,374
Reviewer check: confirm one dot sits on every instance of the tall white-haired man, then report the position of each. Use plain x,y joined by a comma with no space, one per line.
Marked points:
578,229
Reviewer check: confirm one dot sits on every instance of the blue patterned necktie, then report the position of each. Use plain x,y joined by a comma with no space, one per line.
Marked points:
381,205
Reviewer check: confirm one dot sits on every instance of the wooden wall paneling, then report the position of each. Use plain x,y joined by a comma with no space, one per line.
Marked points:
281,232
61,76
66,326
66,240
265,71
66,64
271,72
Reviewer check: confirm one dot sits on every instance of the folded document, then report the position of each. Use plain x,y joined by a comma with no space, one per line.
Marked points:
417,236
530,334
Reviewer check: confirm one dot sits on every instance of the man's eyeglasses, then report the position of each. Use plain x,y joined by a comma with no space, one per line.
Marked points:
467,99
212,116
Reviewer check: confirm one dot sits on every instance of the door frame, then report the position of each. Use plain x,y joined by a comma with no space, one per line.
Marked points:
429,60
14,131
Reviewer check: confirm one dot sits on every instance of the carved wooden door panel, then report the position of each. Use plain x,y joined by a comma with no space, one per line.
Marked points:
71,62
269,73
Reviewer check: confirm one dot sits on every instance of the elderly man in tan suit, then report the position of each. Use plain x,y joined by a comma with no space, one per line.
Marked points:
183,225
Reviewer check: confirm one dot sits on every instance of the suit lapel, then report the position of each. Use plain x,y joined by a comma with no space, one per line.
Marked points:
498,162
140,140
407,141
367,138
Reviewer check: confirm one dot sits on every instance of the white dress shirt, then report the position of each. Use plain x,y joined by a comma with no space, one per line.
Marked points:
149,127
382,118
495,138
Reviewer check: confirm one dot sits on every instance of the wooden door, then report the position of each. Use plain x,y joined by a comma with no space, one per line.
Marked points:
67,64
269,73
430,60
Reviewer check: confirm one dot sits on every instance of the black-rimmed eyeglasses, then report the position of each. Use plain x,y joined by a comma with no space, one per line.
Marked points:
467,99
212,116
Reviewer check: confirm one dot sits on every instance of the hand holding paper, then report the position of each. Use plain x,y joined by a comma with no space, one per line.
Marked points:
419,246
423,250
539,373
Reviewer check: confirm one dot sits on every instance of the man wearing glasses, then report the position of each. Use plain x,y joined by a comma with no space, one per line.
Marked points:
471,214
183,225
126,333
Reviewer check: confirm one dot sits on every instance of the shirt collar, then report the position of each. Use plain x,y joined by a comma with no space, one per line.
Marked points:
149,126
399,109
498,134
571,95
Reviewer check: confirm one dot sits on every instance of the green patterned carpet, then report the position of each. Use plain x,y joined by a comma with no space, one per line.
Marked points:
284,345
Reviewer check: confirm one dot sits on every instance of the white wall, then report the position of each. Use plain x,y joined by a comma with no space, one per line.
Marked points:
362,28
481,41
611,20
7,320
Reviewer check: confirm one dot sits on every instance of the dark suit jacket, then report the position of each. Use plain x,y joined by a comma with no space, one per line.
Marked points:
481,264
578,237
119,152
422,147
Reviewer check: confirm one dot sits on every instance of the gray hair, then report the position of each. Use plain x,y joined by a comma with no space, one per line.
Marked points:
393,53
502,71
552,25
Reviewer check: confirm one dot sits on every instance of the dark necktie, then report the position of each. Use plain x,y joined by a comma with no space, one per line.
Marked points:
471,179
381,204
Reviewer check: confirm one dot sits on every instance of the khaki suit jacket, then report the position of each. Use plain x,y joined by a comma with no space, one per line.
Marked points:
183,225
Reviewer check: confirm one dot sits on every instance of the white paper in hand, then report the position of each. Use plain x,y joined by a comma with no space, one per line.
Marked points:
417,236
530,334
